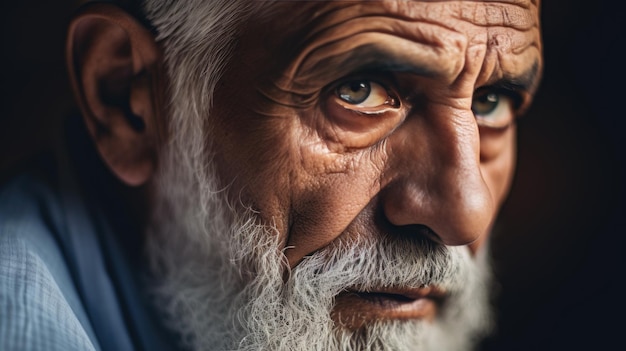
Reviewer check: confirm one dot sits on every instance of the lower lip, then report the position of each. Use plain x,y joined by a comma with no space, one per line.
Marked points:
354,310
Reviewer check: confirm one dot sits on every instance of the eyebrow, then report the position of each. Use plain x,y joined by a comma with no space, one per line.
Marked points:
364,58
528,81
372,58
361,59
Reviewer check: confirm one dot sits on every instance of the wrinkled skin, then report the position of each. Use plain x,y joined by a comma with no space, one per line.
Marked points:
431,150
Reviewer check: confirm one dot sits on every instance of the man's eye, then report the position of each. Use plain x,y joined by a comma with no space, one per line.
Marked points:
493,109
361,112
365,94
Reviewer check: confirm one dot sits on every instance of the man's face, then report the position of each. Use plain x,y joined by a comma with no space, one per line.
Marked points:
365,148
394,119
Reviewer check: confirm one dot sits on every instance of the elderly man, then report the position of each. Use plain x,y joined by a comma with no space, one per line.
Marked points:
292,176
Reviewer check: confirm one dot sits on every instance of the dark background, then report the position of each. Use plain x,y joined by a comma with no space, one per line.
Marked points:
558,246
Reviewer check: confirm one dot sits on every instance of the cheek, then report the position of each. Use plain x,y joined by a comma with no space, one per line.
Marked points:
497,158
328,196
497,163
253,155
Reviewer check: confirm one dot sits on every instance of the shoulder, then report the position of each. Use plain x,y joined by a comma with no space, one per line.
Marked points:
39,304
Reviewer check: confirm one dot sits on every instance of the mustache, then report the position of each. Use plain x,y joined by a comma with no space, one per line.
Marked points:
365,264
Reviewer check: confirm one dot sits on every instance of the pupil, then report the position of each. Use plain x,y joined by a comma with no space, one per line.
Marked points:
354,92
356,86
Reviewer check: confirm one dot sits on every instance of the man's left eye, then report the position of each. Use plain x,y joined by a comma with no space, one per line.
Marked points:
493,109
364,94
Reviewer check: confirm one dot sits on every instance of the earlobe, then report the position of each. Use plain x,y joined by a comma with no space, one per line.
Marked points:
113,64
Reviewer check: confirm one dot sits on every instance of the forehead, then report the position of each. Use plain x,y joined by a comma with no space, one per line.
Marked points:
434,37
478,11
516,14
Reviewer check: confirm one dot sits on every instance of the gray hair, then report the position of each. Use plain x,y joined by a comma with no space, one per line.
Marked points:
198,38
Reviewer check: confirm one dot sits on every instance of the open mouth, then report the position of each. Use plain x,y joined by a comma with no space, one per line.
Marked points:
354,308
385,299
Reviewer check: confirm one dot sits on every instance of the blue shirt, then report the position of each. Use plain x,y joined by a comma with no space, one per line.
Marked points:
66,282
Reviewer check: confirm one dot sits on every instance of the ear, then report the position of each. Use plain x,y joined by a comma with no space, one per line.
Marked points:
114,68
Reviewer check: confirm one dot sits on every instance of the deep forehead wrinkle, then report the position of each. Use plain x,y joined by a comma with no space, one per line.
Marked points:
321,17
519,15
521,3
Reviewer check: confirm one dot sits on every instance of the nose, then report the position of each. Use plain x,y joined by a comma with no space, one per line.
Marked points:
436,177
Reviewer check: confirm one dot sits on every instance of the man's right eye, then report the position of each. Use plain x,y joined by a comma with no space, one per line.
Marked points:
361,111
365,96
364,93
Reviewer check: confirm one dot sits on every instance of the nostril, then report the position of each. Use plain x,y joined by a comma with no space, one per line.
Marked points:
411,231
419,230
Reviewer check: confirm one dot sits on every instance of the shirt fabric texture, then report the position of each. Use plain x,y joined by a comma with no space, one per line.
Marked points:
66,282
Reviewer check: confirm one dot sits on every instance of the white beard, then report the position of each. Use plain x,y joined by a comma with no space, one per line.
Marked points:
219,272
220,282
